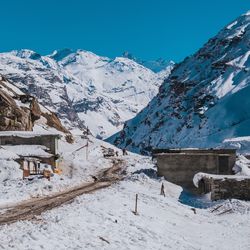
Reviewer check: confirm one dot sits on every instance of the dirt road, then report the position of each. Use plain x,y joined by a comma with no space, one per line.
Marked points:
31,208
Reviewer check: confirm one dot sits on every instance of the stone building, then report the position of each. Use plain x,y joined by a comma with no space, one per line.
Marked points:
180,165
27,144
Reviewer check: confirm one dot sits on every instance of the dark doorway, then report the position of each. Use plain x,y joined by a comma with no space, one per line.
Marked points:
223,165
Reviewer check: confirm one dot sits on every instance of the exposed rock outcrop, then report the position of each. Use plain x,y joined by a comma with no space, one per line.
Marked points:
54,122
20,111
35,110
12,116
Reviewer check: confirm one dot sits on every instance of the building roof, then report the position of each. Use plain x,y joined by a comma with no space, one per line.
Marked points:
192,154
27,134
196,151
7,155
28,150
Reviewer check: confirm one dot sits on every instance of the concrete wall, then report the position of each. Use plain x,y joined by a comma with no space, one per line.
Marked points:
50,141
180,168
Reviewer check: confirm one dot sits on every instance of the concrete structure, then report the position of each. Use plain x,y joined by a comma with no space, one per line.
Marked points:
180,165
26,139
226,187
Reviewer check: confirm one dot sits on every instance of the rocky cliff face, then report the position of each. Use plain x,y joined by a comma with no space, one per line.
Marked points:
14,115
204,100
20,111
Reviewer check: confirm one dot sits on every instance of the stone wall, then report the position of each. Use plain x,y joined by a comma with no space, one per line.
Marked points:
181,167
226,188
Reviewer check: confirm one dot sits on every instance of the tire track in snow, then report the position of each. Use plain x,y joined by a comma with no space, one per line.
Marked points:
30,209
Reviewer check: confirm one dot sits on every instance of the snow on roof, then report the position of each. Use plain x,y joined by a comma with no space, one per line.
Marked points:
26,134
7,155
241,166
192,149
222,152
28,150
237,139
199,176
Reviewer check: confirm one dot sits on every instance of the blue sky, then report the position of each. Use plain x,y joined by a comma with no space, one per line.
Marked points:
149,29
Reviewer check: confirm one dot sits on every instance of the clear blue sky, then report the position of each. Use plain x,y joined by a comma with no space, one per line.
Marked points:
171,29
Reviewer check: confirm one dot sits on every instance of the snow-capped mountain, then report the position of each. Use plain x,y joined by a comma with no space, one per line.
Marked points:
204,100
155,65
84,89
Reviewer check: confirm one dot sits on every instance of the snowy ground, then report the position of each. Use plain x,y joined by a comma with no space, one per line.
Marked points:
104,220
76,170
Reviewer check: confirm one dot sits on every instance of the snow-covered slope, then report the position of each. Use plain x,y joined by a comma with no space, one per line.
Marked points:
82,88
203,101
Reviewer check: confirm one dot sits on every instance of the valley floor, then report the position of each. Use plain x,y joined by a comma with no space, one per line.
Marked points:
104,220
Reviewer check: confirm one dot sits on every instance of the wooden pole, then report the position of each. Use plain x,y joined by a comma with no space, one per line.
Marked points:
87,145
162,190
136,202
29,166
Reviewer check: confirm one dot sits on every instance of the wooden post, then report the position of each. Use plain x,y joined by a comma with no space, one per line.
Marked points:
162,190
29,165
136,202
36,169
87,145
26,173
46,174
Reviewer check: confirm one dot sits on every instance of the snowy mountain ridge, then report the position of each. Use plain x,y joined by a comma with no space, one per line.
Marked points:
155,65
84,89
204,100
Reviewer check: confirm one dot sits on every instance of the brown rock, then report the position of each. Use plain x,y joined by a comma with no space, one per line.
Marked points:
54,121
35,110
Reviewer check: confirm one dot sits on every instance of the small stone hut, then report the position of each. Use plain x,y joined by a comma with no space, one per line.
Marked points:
23,143
180,165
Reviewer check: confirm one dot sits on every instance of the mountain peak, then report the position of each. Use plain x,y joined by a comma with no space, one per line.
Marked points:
26,53
83,88
58,55
154,65
129,55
